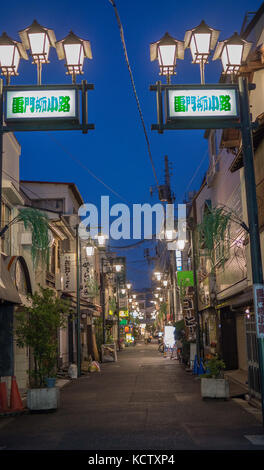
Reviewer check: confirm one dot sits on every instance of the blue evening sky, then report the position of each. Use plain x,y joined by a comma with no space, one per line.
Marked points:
116,151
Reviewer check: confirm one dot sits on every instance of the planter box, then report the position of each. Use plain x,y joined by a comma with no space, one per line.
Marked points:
43,398
214,388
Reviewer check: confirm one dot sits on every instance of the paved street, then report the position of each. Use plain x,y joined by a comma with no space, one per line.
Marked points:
143,401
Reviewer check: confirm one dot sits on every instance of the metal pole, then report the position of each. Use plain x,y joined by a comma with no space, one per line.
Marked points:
195,297
202,63
78,303
118,320
103,297
252,210
1,146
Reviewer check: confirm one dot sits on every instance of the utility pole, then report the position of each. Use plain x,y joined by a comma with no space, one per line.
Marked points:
170,200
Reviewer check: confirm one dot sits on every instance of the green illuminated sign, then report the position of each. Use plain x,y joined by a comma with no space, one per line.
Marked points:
43,103
201,102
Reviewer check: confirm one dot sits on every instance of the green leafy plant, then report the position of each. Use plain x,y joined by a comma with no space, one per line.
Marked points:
213,231
214,368
37,328
112,304
37,222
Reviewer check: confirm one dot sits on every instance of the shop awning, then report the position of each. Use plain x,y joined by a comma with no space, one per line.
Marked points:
8,291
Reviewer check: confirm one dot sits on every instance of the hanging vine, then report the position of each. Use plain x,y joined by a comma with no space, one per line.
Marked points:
37,222
213,233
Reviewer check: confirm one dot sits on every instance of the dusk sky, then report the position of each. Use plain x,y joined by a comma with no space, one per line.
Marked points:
116,152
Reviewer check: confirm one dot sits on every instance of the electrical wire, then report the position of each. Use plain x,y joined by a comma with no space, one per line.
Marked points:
66,151
134,87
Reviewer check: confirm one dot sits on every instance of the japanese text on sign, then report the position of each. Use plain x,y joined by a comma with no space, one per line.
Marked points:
43,103
22,104
183,103
202,103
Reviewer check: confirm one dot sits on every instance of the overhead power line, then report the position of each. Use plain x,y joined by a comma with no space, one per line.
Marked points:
134,87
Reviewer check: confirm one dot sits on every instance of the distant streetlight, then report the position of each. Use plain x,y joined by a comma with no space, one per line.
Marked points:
89,250
10,54
201,40
233,52
74,50
181,245
118,268
129,285
167,50
39,40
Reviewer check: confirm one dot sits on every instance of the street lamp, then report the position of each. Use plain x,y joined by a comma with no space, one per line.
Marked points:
10,54
233,52
129,285
89,250
167,50
39,40
74,50
201,40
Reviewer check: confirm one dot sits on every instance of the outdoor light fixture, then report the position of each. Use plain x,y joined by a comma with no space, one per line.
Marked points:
167,50
156,295
134,296
123,291
39,40
10,54
165,283
129,285
118,268
170,234
89,250
101,239
161,299
74,50
201,40
180,245
233,52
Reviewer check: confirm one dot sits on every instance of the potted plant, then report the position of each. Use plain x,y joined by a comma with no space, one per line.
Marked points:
213,383
37,328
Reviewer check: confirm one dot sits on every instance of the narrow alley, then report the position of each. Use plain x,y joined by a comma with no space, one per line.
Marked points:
142,401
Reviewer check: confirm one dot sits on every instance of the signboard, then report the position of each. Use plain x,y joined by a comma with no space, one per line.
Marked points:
123,313
259,309
201,102
41,103
169,337
68,267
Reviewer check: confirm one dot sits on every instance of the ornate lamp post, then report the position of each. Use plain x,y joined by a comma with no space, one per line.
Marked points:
39,40
74,50
10,54
167,50
201,41
233,52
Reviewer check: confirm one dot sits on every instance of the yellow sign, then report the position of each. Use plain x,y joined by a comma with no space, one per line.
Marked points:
123,313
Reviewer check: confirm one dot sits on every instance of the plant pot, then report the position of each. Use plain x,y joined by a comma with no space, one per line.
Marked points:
43,398
50,381
214,388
